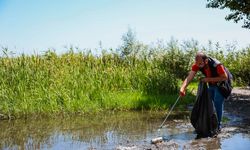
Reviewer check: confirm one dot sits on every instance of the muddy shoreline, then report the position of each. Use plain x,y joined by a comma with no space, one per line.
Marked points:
236,109
129,130
239,103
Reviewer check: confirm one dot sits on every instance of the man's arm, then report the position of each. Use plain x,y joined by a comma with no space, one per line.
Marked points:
222,75
186,82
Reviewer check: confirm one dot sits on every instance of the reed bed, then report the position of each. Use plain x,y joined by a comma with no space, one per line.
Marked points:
145,78
81,83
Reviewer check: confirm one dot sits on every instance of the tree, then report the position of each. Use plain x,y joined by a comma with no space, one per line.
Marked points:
131,46
129,41
240,10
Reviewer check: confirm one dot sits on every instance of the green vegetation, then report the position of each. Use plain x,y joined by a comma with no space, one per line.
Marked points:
134,77
239,10
83,83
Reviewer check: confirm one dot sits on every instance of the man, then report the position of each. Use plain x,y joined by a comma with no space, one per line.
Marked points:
214,72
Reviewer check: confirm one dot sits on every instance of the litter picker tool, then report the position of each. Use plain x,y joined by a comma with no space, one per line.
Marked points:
170,111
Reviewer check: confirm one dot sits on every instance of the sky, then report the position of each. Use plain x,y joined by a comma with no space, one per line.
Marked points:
28,26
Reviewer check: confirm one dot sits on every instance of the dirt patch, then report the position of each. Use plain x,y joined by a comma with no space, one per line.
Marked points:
239,103
236,110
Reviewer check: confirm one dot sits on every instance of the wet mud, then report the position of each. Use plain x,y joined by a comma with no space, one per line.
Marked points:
235,133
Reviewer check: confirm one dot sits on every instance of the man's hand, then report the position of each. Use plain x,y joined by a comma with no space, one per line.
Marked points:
182,92
186,82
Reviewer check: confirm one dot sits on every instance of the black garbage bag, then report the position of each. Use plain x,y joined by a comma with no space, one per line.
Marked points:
203,116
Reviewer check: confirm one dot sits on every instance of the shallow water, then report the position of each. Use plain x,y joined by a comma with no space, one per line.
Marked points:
110,131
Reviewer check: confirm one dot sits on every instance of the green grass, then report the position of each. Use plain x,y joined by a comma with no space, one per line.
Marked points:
140,101
133,77
82,83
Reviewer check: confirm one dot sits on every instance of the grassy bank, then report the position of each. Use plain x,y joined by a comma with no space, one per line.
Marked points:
134,77
83,83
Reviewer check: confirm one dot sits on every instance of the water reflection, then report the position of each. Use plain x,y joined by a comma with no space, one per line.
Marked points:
86,131
105,131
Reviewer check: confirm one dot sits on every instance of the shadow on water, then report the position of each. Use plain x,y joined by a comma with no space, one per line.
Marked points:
101,131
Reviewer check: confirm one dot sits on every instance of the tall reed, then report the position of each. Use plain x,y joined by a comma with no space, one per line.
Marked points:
79,82
134,77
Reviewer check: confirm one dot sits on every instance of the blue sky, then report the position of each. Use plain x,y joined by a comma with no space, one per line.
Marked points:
35,25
